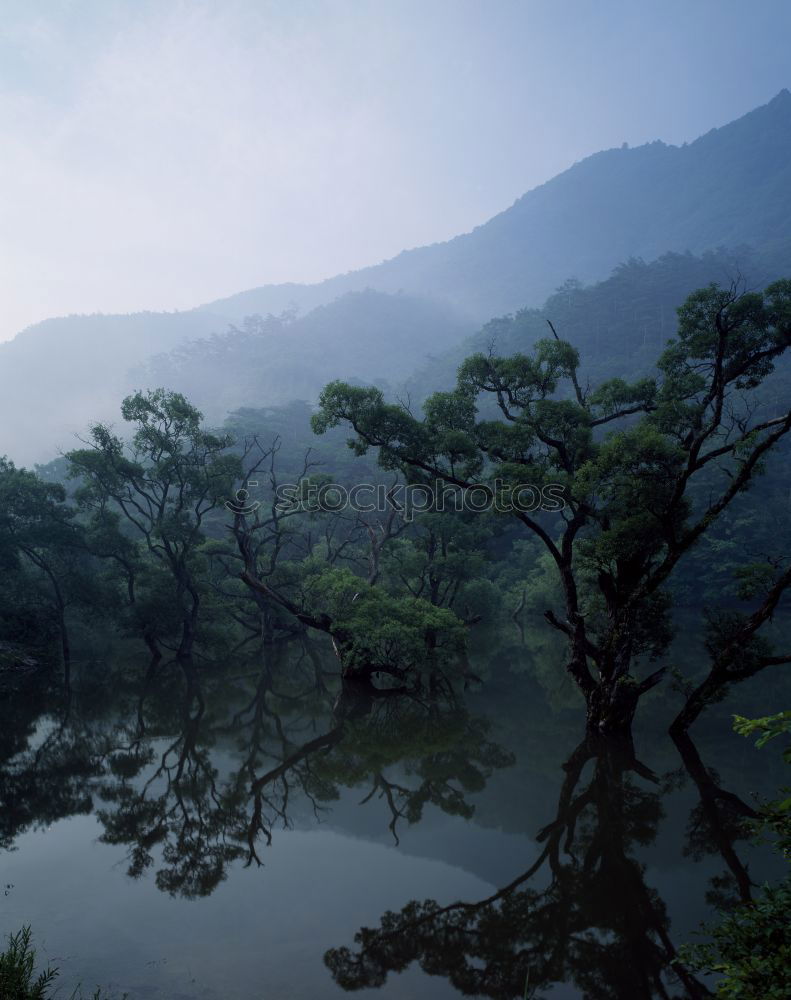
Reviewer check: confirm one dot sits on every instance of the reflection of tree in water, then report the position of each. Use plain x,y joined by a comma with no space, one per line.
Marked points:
178,805
46,762
294,745
581,913
718,820
193,776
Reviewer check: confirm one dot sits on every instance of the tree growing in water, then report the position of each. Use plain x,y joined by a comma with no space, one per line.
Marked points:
645,468
163,484
38,532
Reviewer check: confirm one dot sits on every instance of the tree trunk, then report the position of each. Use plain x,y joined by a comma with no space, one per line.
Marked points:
65,650
704,694
153,647
611,706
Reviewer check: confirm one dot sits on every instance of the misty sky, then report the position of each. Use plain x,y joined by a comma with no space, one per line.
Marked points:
156,155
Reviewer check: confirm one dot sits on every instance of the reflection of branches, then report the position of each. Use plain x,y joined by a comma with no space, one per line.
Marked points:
47,761
596,922
179,807
719,819
295,741
465,761
737,650
289,741
374,730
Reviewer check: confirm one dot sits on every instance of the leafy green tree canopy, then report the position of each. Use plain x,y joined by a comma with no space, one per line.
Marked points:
645,468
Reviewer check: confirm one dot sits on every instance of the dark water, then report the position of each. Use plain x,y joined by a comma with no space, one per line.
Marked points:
207,836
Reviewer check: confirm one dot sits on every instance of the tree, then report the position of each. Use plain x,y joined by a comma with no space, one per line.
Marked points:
373,631
645,468
164,483
38,528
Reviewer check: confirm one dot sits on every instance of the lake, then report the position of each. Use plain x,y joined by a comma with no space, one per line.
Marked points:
228,834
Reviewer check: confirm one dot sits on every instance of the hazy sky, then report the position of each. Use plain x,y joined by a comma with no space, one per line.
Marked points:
156,155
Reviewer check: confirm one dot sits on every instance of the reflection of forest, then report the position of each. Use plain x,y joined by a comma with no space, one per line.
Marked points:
193,774
583,911
204,771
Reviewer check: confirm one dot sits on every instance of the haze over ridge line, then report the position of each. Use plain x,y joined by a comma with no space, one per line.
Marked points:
731,188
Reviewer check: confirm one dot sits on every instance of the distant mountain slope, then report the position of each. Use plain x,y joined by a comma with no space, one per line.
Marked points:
61,374
731,186
619,325
58,376
368,336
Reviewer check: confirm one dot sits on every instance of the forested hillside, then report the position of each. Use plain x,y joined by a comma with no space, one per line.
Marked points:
618,325
272,360
413,347
725,189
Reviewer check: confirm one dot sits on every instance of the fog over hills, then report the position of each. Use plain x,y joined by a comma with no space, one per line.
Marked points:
363,336
731,188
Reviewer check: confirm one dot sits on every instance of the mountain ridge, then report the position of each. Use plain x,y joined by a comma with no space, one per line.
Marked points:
731,187
695,234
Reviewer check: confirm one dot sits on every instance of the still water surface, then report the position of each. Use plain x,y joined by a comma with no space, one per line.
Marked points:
205,837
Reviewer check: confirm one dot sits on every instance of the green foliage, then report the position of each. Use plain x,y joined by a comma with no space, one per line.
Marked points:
645,468
174,473
775,816
618,324
750,948
159,491
18,979
768,727
401,633
47,567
